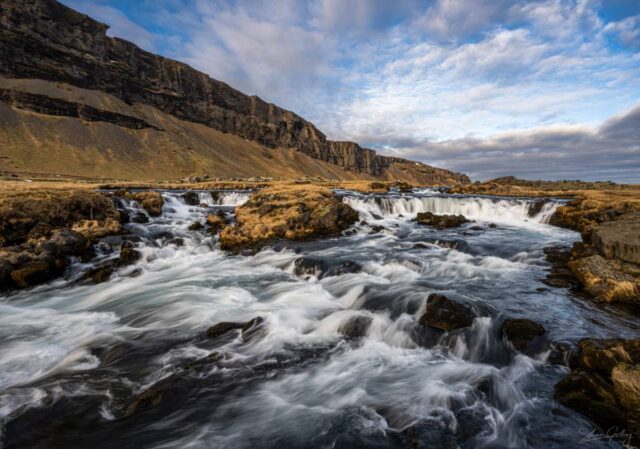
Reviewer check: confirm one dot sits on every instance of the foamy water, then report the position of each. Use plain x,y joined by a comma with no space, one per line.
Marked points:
73,355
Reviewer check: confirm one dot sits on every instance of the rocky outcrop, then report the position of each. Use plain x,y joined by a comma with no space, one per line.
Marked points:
43,39
445,314
440,221
150,200
604,385
293,212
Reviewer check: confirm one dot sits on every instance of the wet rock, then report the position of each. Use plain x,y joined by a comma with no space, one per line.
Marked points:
376,229
535,207
66,242
376,216
253,329
446,314
559,353
140,218
440,221
222,328
32,274
128,254
162,391
520,332
457,244
493,225
101,273
356,326
310,266
191,198
177,241
196,226
604,384
321,268
151,201
560,274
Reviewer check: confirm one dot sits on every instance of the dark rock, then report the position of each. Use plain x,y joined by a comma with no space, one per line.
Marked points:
67,243
253,329
128,254
446,314
191,198
222,328
535,207
140,217
560,274
160,392
376,229
347,267
440,221
493,225
310,266
32,274
41,230
457,244
178,241
356,326
521,332
196,226
376,216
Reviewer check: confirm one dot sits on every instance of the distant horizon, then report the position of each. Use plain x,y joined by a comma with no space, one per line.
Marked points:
540,90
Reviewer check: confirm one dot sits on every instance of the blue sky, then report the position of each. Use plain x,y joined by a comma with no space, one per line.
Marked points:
538,89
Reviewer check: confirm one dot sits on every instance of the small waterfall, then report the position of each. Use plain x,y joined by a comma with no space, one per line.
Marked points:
506,210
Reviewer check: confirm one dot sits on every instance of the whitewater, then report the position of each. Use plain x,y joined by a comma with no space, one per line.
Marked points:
337,359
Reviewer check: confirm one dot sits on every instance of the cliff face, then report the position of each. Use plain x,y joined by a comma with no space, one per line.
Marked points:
43,39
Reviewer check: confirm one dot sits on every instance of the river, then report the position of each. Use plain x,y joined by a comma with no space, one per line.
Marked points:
338,360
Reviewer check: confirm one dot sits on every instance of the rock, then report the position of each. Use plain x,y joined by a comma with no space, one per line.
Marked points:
356,326
191,198
162,391
607,280
293,212
560,274
40,231
321,268
216,222
100,274
140,217
377,229
310,266
66,243
604,384
150,200
440,221
445,314
619,240
128,254
252,329
178,241
195,226
222,328
535,207
32,274
457,244
520,332
95,229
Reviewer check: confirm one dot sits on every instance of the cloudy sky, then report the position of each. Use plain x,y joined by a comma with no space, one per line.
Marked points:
546,89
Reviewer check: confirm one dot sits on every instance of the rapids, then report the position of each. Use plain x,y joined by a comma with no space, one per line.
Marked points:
73,356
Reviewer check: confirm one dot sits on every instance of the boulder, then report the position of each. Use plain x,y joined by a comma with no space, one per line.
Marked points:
222,328
355,327
195,226
604,384
520,332
128,254
191,198
440,221
293,212
619,239
445,314
66,243
32,274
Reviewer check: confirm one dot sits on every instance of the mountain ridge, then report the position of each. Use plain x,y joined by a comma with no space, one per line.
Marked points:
48,41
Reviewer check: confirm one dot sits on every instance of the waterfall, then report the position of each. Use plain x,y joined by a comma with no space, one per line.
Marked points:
505,210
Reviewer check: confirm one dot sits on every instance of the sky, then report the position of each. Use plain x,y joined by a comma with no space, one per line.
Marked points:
545,89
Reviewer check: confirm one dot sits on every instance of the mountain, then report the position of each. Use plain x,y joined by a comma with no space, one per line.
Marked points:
74,101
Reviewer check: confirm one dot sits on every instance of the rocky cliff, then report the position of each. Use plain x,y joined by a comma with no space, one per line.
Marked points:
43,39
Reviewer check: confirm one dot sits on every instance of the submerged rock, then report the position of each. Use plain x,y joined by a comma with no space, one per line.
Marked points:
322,268
128,254
445,314
356,326
520,332
222,328
195,226
440,221
604,384
249,330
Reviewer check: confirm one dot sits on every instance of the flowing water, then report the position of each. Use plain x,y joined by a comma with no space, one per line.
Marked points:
339,360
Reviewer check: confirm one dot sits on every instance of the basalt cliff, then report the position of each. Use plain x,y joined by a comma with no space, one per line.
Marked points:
74,100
